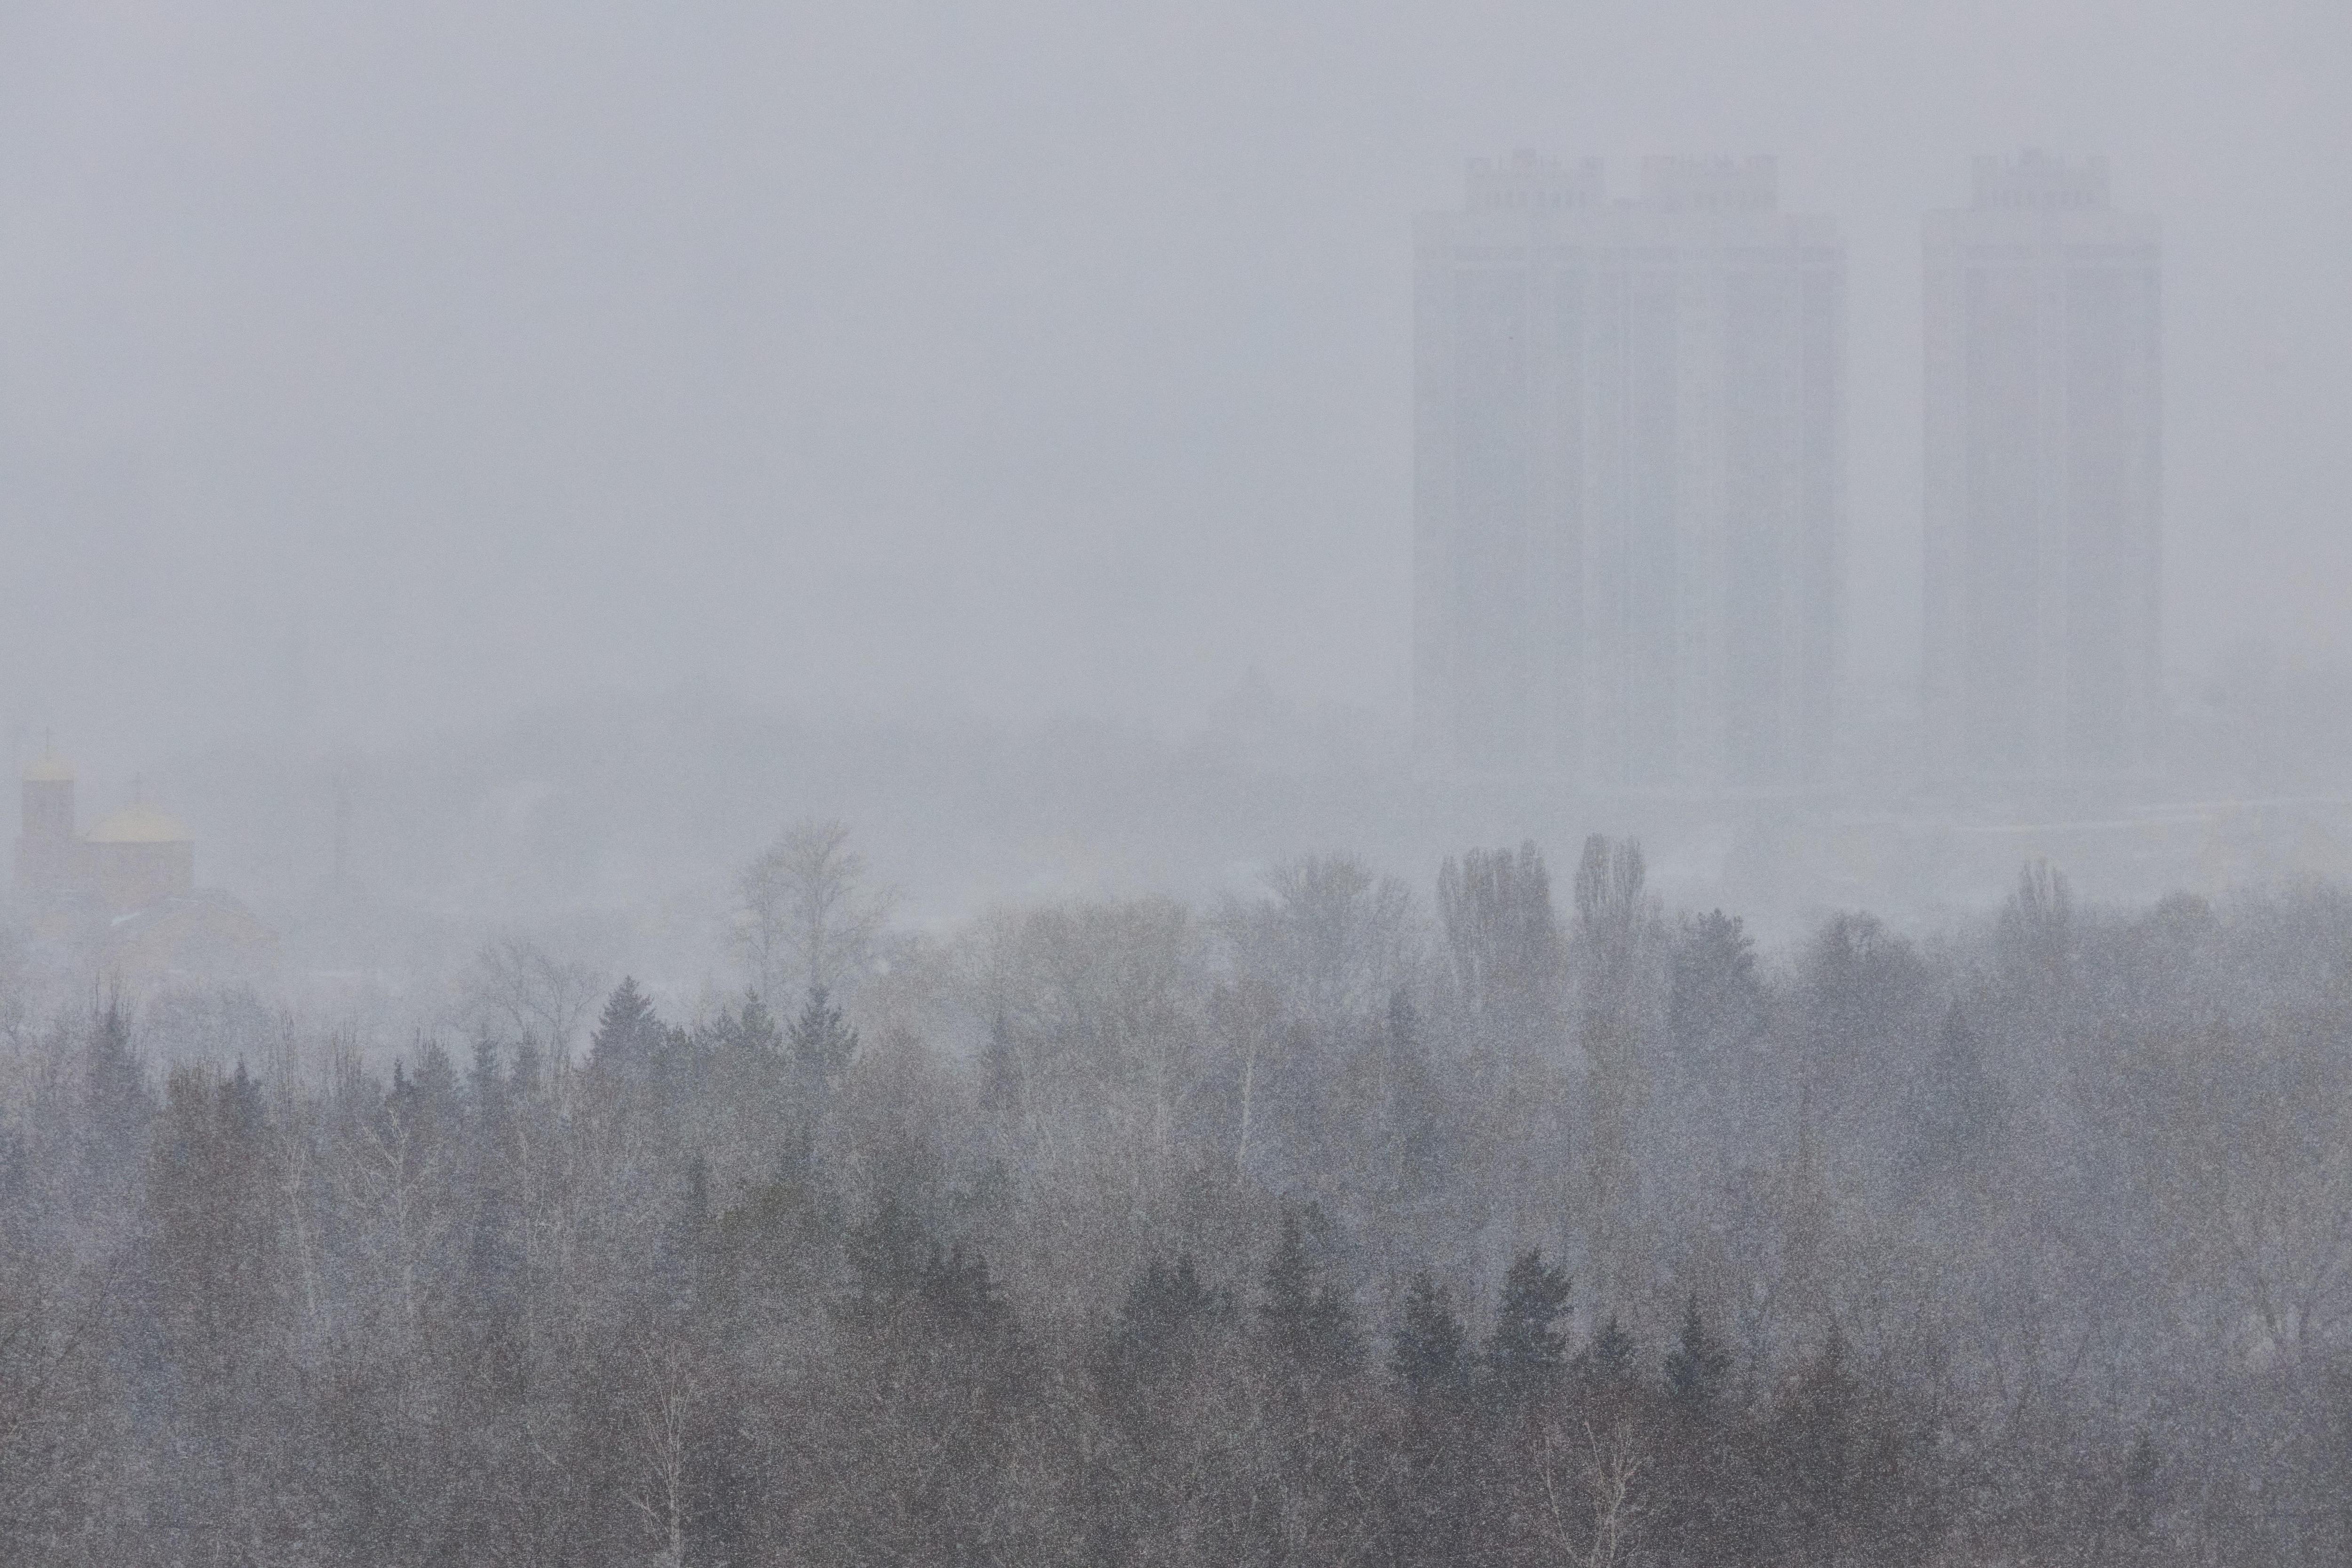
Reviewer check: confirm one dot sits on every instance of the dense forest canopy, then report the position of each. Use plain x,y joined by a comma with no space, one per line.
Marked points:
1331,1225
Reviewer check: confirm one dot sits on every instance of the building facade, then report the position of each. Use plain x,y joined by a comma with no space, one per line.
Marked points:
2044,552
119,901
137,857
1628,480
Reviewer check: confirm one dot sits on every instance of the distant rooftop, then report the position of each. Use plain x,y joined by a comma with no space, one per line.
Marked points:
1526,179
139,823
1710,184
2036,180
49,768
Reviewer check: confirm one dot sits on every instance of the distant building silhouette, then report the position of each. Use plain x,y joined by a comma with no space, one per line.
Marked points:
1628,478
49,857
138,855
125,892
2042,655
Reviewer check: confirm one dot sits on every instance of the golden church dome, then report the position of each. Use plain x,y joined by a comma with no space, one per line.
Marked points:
49,768
140,824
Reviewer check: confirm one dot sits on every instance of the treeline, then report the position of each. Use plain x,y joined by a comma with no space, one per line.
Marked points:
1312,1230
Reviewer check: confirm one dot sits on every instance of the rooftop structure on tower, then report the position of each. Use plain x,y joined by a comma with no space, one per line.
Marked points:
48,854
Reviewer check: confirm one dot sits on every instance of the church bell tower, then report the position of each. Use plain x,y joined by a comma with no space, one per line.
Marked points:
45,849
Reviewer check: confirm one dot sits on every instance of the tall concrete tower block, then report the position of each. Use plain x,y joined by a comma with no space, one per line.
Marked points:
2043,550
1628,480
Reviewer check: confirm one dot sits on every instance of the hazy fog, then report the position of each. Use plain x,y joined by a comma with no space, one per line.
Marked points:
975,784
368,370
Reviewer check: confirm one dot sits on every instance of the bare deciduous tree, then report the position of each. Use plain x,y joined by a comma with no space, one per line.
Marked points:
518,988
1335,938
1594,1501
804,916
664,1408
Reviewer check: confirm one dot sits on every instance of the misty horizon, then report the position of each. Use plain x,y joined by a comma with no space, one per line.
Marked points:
1213,785
357,389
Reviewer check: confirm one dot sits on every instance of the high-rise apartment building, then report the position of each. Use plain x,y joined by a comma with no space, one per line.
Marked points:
1628,478
2042,551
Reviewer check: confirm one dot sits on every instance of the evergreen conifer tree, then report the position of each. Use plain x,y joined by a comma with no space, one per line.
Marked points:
1961,1111
822,1046
433,1085
1524,1350
429,1112
889,1253
1715,998
486,1085
784,1231
686,1234
958,1294
748,1030
1611,1354
241,1110
489,1307
2142,1491
527,1077
629,1034
1430,1349
1309,1326
1697,1366
1000,1074
1166,1306
116,1112
1818,1441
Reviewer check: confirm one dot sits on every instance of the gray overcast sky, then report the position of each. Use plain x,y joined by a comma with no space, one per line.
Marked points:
1014,357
